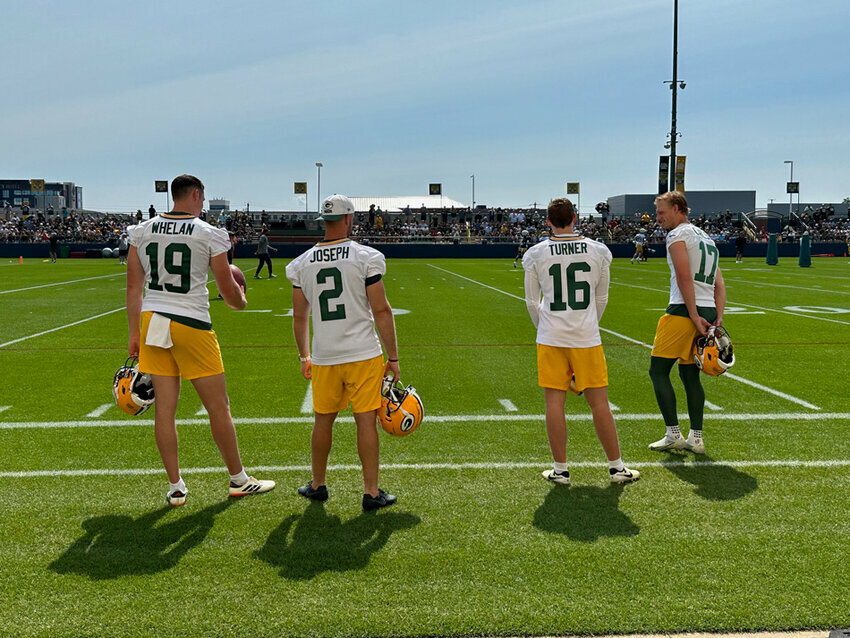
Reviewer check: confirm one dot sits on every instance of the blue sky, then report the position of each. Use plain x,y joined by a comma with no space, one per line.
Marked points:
390,96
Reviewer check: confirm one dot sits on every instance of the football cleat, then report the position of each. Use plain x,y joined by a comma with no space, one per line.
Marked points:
133,391
695,445
251,486
176,497
383,499
714,352
314,494
401,410
623,476
554,476
669,443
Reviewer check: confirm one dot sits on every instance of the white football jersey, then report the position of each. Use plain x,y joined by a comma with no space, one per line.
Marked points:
333,275
573,274
640,239
175,250
703,257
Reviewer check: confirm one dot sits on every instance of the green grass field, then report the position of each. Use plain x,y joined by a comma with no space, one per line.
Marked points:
754,536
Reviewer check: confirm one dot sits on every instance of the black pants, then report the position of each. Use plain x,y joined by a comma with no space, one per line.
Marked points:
264,259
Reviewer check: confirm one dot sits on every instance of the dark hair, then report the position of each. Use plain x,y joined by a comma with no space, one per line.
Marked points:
182,185
674,198
561,212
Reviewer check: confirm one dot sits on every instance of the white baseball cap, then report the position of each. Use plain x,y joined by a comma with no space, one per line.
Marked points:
336,207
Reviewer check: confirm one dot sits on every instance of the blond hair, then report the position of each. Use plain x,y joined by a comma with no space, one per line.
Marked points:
675,198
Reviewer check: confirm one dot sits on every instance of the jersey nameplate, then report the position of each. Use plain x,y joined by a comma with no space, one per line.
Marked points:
571,248
329,254
172,228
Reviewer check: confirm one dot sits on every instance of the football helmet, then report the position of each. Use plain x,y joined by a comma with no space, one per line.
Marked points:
401,409
133,391
715,353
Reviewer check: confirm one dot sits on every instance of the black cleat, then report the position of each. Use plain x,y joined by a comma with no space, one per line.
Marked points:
318,494
377,502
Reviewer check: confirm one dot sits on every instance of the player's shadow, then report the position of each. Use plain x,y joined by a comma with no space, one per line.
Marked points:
584,513
305,545
114,546
713,481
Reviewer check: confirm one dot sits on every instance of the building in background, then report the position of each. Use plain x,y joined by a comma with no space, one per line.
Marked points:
57,194
218,207
708,203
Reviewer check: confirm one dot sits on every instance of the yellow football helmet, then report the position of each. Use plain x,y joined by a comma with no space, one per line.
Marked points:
715,353
133,391
401,409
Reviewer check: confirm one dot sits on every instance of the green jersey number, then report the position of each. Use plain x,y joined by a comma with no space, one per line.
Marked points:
184,268
707,250
573,287
331,293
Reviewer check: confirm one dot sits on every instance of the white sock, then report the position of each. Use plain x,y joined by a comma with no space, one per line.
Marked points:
179,485
617,464
561,467
695,434
673,431
239,479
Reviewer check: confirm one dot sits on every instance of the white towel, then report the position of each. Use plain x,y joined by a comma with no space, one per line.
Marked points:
159,332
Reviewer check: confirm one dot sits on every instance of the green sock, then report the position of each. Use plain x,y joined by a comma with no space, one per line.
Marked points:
659,373
689,374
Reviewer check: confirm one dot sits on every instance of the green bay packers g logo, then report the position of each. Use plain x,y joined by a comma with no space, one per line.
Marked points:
407,423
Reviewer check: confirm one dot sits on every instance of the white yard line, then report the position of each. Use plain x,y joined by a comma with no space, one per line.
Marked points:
746,305
451,419
728,375
99,411
61,283
518,465
256,311
508,405
307,403
712,406
613,407
765,283
67,325
3,408
202,412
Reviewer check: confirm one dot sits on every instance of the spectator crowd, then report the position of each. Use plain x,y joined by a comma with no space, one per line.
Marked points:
449,226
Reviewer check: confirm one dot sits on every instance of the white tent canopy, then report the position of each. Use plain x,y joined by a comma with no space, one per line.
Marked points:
398,204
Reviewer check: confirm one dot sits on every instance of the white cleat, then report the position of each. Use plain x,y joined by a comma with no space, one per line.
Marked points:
669,443
252,486
697,446
623,476
557,477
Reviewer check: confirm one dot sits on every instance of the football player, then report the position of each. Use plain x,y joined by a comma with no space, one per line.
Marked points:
697,301
170,328
572,272
339,280
524,243
640,241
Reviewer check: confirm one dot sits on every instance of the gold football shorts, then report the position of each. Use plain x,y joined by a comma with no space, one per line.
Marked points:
195,353
358,382
674,339
556,367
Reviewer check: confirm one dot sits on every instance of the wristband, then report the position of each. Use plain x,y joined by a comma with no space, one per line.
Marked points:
303,359
392,360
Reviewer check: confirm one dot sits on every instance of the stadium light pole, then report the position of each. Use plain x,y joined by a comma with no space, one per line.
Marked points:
473,192
319,187
791,195
675,85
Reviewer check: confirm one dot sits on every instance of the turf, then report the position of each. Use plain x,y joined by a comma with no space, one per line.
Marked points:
751,537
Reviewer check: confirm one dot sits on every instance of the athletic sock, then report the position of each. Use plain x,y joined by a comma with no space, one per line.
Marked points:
239,479
673,431
659,373
617,465
695,434
178,486
689,374
560,468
